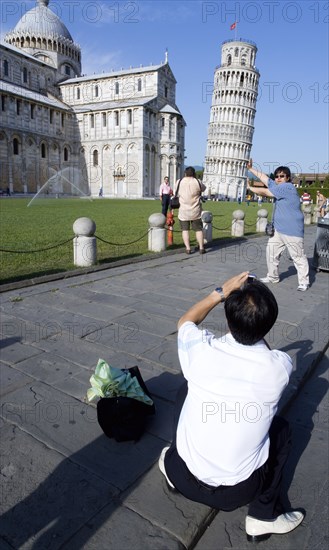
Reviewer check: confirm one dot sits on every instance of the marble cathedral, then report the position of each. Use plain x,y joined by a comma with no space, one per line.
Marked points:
120,131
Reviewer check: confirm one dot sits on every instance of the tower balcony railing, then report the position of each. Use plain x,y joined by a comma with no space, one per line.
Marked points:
246,40
237,66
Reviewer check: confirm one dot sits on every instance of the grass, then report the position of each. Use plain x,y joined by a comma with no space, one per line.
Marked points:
30,235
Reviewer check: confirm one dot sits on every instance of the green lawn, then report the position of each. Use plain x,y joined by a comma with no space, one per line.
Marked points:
30,235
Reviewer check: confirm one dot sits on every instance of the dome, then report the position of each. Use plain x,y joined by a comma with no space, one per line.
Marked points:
41,21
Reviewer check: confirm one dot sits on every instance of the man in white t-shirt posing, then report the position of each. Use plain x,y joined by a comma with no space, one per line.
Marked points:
229,448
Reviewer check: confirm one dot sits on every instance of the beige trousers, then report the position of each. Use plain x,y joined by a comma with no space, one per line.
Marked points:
295,247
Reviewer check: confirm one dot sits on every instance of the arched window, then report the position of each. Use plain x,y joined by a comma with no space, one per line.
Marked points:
6,67
25,74
139,85
66,154
43,151
96,91
117,88
15,146
129,116
95,158
116,118
236,52
171,124
166,91
229,59
78,93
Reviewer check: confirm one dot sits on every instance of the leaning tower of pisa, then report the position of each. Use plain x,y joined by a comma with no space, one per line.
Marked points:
232,115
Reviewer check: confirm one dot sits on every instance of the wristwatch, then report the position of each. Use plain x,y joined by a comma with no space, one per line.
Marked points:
219,289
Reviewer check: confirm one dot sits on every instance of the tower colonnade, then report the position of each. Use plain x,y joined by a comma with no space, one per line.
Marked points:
232,117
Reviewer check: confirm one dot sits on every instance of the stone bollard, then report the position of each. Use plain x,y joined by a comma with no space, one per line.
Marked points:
206,218
238,223
157,233
316,214
84,243
261,220
307,214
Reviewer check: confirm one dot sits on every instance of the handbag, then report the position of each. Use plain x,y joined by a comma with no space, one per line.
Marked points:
269,229
121,417
174,201
124,418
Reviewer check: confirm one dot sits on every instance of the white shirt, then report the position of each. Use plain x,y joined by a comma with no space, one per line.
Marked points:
233,392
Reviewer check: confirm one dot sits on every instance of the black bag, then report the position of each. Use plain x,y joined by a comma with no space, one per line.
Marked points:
174,202
269,229
124,418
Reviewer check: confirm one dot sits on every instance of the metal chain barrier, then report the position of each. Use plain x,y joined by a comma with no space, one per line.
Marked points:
223,228
39,250
67,241
122,244
109,242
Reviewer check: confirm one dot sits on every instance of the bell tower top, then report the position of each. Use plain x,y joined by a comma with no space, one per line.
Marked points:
239,53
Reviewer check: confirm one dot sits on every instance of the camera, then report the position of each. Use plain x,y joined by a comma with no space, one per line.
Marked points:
251,278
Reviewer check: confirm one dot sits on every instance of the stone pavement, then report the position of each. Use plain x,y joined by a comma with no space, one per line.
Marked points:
63,483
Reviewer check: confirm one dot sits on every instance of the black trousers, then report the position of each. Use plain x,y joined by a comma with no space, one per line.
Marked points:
165,204
261,490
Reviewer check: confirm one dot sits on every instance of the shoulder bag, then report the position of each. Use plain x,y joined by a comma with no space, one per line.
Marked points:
174,201
269,229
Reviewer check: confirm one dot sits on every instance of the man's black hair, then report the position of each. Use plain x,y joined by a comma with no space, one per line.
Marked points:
189,172
251,312
285,170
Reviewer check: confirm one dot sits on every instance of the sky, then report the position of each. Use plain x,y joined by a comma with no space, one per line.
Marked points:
291,124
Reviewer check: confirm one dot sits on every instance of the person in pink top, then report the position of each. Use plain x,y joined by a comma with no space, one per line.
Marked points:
165,194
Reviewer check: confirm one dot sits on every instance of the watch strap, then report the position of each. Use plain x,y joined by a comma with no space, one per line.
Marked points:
220,291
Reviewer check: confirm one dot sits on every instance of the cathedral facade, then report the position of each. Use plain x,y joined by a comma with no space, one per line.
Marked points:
121,132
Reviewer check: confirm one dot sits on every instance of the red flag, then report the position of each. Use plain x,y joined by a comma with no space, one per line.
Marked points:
232,27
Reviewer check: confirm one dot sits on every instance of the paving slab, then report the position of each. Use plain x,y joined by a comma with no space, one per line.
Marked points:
53,334
45,497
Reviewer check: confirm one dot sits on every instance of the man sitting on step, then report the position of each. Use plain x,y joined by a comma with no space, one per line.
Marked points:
229,448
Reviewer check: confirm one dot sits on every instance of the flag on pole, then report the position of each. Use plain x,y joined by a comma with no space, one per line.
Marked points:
232,27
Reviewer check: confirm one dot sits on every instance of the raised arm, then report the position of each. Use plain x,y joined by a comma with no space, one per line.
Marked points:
197,313
262,191
260,175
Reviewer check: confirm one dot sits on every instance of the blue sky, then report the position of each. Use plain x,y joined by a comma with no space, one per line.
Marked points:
291,125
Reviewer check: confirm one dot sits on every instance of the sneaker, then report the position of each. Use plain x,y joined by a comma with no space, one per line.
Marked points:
303,288
162,467
268,280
